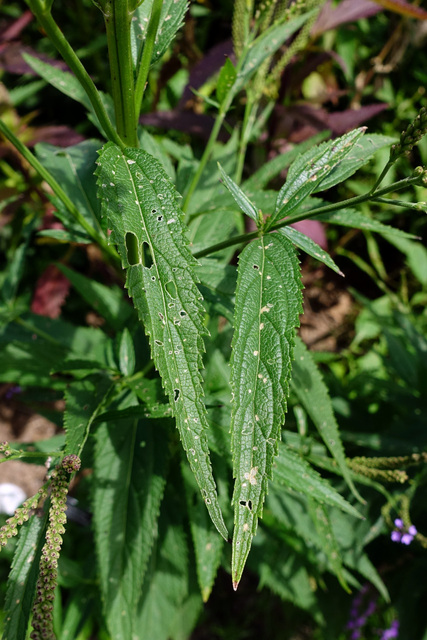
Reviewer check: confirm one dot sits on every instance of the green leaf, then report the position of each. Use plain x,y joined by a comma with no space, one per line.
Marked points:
308,245
268,303
416,256
226,79
126,353
73,169
171,20
130,467
166,582
66,236
68,84
356,220
84,400
269,170
266,46
156,148
297,474
312,392
141,206
23,578
207,544
213,227
360,155
330,547
107,301
307,172
240,198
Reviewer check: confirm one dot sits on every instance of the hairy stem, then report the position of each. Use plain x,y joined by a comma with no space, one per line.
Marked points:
247,237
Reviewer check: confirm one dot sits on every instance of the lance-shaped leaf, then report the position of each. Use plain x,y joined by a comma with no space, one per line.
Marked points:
130,472
142,210
268,303
23,578
308,245
240,198
307,172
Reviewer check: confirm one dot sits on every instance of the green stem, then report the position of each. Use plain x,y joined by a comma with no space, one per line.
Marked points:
247,125
117,23
247,237
147,54
57,189
382,176
58,39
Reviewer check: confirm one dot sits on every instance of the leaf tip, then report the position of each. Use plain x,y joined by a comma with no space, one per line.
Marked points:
235,585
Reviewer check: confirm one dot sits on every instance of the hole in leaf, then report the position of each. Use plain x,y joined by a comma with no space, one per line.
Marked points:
250,505
132,248
158,343
159,218
148,258
153,210
256,266
182,313
171,289
176,394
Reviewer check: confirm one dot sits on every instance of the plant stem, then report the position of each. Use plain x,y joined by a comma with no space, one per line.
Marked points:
247,237
58,39
147,53
247,125
59,192
117,23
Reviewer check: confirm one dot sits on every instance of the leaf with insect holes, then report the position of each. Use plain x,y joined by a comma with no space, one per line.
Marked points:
268,304
307,173
141,206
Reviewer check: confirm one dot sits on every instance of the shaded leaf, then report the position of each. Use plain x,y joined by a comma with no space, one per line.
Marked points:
23,577
313,394
356,220
226,79
268,303
130,468
84,400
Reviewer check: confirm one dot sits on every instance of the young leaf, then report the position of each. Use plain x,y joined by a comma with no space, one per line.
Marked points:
226,79
268,303
23,577
313,394
260,179
360,155
240,198
307,172
83,401
166,582
141,206
308,245
130,469
171,20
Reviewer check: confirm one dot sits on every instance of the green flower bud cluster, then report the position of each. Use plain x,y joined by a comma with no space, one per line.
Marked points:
42,620
409,138
364,467
21,515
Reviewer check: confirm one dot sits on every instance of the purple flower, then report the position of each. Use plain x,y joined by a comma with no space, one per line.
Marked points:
12,391
401,534
393,632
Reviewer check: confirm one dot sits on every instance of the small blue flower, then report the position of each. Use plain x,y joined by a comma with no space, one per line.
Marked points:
403,535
